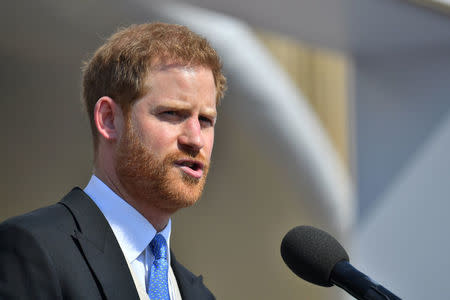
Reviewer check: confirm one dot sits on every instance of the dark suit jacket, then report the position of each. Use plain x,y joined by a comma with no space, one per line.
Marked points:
68,251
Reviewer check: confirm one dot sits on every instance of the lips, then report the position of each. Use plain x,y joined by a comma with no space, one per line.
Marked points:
191,167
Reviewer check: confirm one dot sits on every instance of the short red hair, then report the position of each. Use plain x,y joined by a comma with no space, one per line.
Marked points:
120,67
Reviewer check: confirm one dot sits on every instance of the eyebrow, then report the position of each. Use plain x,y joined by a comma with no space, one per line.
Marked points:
174,104
185,106
211,112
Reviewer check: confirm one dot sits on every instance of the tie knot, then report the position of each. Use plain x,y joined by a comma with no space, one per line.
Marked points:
159,247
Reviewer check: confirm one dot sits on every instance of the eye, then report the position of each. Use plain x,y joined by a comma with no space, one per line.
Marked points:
206,121
171,115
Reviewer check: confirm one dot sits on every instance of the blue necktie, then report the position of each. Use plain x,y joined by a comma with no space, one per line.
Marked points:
158,289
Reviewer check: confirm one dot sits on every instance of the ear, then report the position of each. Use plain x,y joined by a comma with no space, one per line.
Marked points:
108,118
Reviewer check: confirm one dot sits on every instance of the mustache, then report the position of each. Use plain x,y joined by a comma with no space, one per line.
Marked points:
175,156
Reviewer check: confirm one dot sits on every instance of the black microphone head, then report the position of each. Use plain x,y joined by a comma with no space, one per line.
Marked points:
312,253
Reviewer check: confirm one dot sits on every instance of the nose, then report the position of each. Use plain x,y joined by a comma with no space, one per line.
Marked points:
191,138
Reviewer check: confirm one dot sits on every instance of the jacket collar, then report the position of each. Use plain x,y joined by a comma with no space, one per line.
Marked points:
191,287
99,246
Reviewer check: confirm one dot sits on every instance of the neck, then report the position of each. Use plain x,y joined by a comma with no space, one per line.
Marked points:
157,217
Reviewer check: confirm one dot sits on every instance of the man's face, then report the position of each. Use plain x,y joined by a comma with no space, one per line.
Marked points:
164,153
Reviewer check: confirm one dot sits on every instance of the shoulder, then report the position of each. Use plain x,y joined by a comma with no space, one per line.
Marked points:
29,245
28,234
43,226
52,219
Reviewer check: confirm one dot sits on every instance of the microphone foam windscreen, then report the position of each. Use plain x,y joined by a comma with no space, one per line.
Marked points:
312,253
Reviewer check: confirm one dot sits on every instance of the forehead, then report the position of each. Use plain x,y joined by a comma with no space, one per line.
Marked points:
180,82
173,69
175,66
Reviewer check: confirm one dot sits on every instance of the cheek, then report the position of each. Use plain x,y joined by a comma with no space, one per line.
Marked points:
209,144
161,139
158,142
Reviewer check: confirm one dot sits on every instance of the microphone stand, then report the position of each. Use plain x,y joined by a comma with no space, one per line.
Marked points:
358,284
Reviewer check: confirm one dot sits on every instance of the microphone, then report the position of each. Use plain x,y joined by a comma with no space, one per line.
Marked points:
317,257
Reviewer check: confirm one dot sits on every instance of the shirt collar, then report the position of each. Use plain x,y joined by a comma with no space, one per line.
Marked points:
133,232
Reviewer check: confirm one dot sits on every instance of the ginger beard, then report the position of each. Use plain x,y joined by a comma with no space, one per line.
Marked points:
155,181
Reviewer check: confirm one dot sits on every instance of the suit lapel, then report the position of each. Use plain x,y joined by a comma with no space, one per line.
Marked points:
100,247
191,287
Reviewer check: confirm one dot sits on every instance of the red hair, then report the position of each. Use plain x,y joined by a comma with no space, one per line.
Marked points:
120,67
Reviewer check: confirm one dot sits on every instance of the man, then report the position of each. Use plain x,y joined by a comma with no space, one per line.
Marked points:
150,92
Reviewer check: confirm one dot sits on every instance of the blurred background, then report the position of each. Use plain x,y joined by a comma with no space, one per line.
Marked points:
337,116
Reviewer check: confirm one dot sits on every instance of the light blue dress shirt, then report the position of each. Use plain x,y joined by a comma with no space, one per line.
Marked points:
133,232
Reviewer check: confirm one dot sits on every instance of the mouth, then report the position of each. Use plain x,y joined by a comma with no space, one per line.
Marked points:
193,168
